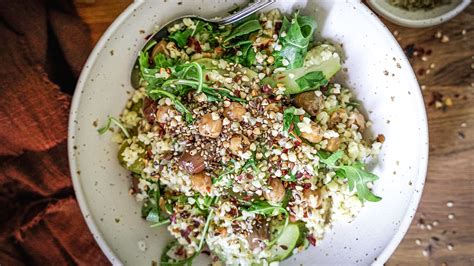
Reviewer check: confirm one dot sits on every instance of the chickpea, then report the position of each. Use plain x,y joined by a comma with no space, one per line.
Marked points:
235,112
238,143
201,183
315,136
193,164
339,116
313,197
208,127
333,144
163,113
310,102
160,48
277,192
359,119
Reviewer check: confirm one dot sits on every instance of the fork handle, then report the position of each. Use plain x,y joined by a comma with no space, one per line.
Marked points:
245,12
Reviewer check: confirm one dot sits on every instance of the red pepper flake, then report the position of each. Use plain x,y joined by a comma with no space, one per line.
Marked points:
192,42
266,88
173,218
311,240
307,185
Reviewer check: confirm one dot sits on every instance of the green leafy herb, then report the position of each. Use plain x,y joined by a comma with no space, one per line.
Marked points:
297,35
111,120
154,214
243,29
311,80
290,119
161,61
181,37
356,176
248,55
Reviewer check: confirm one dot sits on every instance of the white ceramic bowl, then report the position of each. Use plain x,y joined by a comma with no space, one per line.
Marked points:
377,70
418,18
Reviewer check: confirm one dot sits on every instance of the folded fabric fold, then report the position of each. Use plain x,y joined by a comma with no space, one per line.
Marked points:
44,46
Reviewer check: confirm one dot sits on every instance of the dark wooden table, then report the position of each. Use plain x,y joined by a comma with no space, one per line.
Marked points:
443,59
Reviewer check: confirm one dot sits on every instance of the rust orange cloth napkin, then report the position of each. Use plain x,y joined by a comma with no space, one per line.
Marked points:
43,46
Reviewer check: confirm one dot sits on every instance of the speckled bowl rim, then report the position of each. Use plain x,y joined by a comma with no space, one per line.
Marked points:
418,23
113,258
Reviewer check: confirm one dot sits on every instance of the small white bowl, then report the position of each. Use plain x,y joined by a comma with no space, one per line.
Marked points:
375,68
419,18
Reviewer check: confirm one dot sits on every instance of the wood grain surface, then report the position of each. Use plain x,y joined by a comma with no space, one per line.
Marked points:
443,58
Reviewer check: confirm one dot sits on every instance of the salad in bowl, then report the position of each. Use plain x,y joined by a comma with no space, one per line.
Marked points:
239,142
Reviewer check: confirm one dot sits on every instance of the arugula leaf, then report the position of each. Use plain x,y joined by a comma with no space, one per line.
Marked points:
299,33
243,29
154,215
161,61
311,80
289,119
111,120
356,176
331,160
217,93
181,37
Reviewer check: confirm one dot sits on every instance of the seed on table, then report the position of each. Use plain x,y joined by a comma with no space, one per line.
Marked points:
432,65
450,204
418,241
451,216
450,247
426,252
429,227
435,223
463,32
423,87
438,34
424,58
445,39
